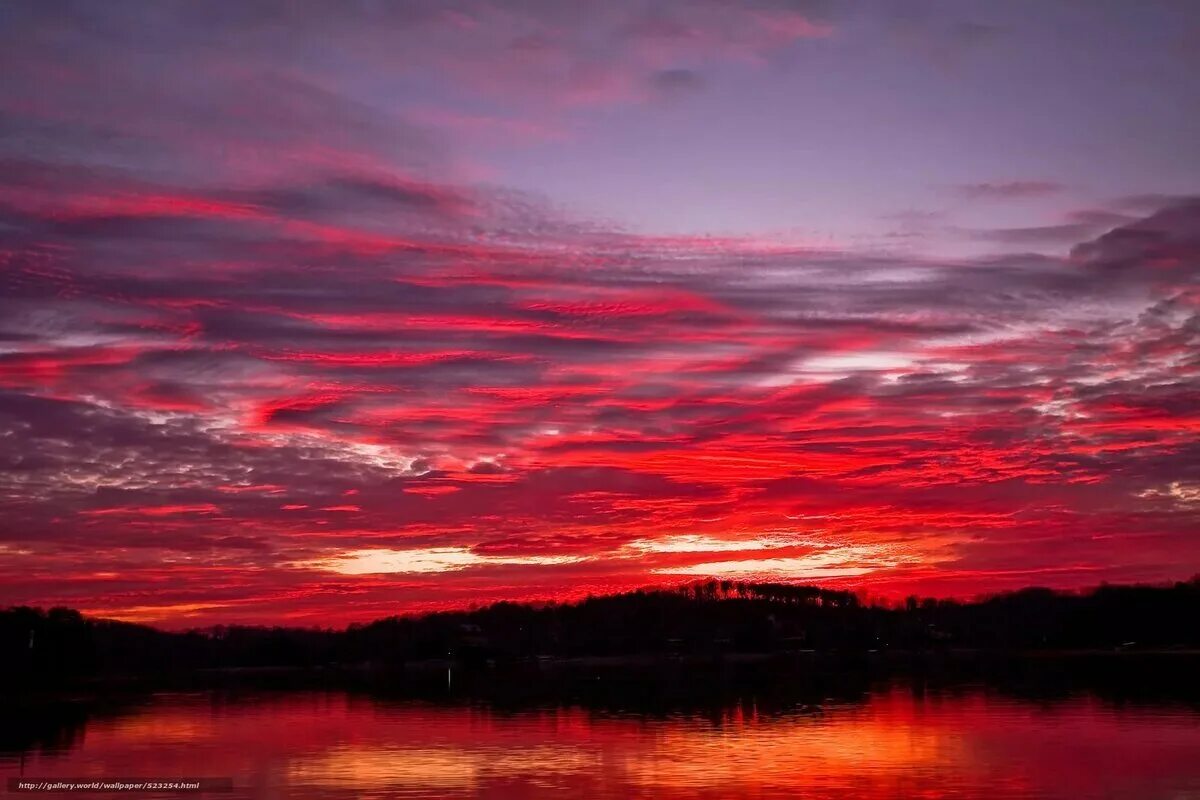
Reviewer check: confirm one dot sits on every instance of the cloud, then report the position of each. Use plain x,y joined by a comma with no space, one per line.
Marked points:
1036,235
1149,203
502,410
434,559
228,269
1007,190
1078,225
849,562
694,543
945,39
671,82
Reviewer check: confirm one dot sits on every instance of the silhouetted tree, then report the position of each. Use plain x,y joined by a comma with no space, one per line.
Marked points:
707,616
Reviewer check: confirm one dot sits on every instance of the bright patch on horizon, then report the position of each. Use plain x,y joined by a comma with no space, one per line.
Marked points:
375,561
836,562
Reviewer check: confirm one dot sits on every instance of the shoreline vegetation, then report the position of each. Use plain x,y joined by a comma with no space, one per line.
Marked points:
726,623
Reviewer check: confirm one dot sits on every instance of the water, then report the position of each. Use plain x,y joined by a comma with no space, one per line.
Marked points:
892,742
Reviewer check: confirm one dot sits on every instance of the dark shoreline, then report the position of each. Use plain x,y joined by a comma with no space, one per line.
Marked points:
1169,668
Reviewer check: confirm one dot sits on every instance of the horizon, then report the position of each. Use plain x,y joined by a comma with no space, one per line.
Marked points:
865,600
312,314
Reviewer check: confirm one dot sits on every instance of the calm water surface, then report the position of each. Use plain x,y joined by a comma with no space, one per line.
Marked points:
893,744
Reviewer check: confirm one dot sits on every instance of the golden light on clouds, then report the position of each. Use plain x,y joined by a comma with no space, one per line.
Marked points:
374,561
696,543
835,562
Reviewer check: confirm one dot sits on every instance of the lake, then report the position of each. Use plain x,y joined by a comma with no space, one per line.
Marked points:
893,740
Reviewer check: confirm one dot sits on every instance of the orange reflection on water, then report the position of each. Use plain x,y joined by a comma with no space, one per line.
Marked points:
463,767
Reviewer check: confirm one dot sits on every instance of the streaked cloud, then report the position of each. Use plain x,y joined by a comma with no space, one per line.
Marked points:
433,559
694,543
317,313
1007,190
838,562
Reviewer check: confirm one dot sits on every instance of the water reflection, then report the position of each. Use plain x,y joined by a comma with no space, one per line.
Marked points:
896,740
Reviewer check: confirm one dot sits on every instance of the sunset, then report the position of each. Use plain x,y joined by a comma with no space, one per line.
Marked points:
315,314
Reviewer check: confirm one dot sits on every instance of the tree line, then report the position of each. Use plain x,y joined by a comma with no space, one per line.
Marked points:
707,617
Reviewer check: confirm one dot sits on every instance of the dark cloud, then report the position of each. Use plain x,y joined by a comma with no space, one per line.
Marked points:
677,81
1007,190
1078,225
1148,203
1038,235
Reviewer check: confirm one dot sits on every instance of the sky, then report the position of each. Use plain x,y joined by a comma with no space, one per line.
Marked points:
317,312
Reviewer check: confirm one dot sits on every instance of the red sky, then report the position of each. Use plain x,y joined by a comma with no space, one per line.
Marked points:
297,326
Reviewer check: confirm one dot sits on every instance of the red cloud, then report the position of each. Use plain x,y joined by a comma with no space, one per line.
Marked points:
226,312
